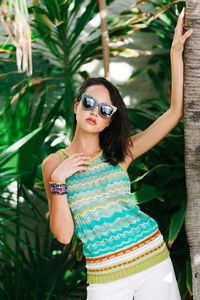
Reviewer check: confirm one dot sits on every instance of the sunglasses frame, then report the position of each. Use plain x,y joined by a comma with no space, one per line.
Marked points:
84,95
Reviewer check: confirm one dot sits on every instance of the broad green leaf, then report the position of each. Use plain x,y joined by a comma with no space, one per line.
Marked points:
182,282
145,194
176,223
150,171
14,149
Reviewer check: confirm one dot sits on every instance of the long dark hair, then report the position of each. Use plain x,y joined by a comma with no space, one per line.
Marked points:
114,139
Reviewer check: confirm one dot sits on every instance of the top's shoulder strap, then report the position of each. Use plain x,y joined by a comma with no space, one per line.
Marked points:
63,154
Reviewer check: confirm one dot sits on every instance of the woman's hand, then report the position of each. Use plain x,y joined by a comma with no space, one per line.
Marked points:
74,163
180,38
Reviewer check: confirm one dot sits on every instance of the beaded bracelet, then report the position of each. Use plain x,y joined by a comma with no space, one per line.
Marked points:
58,188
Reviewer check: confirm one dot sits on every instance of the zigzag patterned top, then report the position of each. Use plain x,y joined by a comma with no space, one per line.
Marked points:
118,238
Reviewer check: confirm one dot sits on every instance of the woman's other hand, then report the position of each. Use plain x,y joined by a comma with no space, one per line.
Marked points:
180,38
74,163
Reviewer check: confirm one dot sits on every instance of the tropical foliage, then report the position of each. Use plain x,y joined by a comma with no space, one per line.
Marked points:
33,263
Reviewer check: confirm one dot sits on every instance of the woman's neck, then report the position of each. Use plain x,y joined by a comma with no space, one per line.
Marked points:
84,142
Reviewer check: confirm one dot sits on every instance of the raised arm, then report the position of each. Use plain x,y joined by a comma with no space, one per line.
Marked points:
146,139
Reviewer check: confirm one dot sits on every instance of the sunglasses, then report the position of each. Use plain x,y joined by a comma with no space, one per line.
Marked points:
105,110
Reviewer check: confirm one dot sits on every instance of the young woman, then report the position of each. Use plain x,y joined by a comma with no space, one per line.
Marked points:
88,191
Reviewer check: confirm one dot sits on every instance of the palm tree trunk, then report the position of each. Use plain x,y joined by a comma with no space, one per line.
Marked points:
105,36
192,139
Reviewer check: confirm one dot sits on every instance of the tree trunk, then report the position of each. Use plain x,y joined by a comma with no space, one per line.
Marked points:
105,36
192,138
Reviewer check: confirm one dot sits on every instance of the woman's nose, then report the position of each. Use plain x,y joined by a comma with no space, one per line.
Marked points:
94,112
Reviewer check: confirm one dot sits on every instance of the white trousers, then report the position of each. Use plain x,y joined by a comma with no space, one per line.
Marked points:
155,283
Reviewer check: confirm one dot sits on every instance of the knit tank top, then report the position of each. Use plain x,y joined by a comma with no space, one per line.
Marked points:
118,238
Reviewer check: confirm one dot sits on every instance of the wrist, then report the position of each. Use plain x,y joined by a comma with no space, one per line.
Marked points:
58,188
57,178
175,53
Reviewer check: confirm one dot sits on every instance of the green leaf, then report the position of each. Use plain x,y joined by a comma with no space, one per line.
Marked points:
38,114
176,223
136,73
3,109
76,8
182,282
189,275
15,220
139,118
118,33
82,21
158,84
145,194
8,177
14,149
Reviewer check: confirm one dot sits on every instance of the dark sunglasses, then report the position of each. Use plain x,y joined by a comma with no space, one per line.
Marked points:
105,110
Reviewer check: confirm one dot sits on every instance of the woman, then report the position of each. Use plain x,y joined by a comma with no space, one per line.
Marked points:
88,191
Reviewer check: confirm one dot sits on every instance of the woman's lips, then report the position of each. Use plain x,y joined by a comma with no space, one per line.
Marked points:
91,121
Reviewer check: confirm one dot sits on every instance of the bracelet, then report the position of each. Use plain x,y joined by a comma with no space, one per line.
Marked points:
58,188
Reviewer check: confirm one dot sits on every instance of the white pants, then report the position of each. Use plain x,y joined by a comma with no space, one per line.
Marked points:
155,283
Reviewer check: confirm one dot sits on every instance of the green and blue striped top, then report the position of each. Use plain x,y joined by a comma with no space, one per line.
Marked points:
118,238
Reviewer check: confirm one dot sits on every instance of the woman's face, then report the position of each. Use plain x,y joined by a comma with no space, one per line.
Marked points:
91,121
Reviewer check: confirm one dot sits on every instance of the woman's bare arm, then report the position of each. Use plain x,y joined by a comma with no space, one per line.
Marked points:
61,221
146,139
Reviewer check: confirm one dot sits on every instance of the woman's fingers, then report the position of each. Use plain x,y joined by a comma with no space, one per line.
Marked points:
74,163
179,25
180,38
77,160
81,168
186,35
77,156
82,162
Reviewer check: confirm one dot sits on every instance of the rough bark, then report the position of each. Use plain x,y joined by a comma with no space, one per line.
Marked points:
105,36
192,138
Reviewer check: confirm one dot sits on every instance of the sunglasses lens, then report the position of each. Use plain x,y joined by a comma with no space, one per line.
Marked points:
88,103
106,111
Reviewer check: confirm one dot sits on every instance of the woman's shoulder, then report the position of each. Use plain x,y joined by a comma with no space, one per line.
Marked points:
50,163
53,158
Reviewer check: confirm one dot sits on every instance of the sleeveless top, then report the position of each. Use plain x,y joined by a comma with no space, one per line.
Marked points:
118,238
